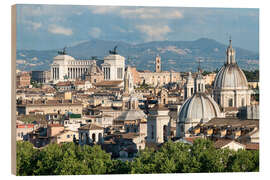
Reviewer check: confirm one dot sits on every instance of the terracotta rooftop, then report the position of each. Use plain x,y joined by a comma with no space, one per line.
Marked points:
108,83
79,83
130,135
159,107
191,139
234,122
222,142
91,127
67,83
253,146
55,125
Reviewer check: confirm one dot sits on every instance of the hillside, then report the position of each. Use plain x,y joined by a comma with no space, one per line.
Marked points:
176,55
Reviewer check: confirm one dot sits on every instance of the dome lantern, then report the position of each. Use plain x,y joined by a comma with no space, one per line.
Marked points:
230,54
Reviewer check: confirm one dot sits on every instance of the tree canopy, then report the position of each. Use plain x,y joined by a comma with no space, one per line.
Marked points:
171,157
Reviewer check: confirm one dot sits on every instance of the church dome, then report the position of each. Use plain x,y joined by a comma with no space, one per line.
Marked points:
94,69
199,108
230,76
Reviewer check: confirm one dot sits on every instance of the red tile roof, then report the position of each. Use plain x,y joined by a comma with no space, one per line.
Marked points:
252,146
191,139
55,125
108,83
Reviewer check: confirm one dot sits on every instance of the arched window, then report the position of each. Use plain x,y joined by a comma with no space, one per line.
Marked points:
164,133
94,137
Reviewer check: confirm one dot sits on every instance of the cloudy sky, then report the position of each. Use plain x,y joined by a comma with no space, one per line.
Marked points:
55,26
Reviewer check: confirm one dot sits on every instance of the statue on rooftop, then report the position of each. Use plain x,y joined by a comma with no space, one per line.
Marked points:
113,51
62,52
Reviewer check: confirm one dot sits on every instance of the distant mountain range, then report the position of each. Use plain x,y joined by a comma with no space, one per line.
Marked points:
175,55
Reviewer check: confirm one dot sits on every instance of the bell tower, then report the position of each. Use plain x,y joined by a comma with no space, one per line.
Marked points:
158,64
189,86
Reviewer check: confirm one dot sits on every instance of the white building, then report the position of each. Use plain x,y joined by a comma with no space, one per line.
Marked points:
158,124
90,133
65,67
113,67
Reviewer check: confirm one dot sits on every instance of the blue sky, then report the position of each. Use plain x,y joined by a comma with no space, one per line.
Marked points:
44,27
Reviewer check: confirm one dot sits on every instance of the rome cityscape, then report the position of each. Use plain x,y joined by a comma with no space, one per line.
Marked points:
139,92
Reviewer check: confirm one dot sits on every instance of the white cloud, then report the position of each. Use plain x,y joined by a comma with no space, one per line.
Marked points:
56,29
33,25
20,61
155,32
49,10
103,9
95,32
138,12
34,59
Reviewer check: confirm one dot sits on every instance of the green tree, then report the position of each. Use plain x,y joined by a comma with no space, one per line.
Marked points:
171,157
208,157
120,167
70,164
26,157
143,164
48,159
244,161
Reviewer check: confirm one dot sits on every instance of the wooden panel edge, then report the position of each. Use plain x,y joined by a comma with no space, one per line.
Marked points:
13,89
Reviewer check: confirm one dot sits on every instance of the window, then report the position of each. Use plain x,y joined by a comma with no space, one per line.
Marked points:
68,136
127,104
94,137
119,73
230,102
